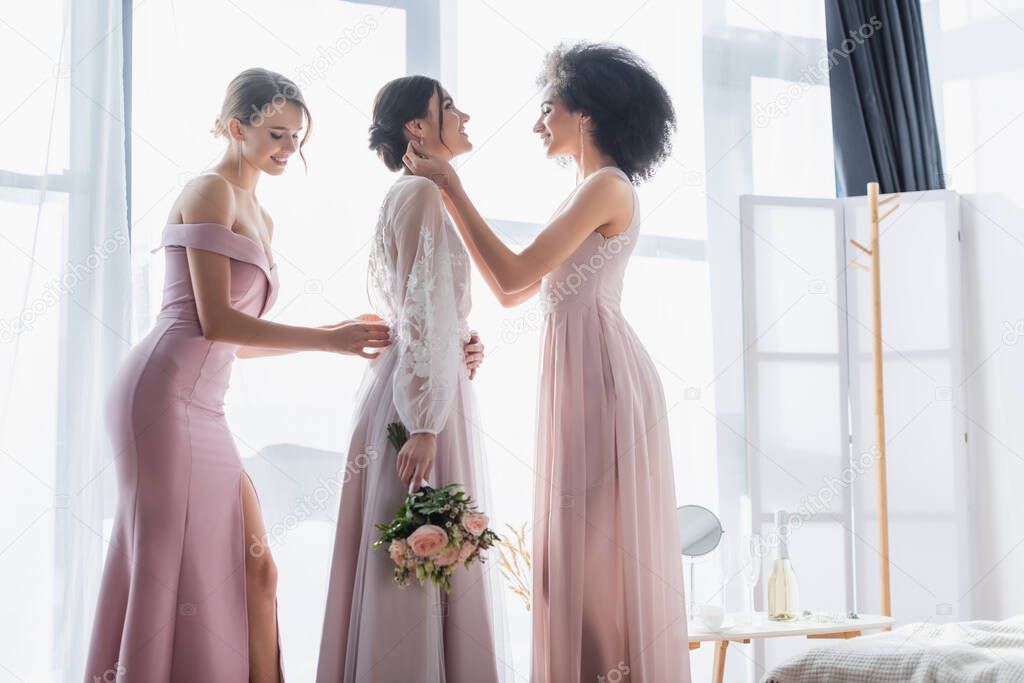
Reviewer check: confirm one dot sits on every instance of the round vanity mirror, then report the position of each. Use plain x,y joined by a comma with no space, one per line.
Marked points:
700,530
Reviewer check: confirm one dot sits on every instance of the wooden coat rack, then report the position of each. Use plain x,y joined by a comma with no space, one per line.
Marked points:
876,305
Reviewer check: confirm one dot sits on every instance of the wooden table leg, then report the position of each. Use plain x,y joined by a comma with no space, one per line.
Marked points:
846,635
718,673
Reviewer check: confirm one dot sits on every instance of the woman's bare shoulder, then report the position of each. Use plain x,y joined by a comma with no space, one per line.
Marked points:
207,198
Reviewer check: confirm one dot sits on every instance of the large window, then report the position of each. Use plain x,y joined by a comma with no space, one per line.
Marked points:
723,64
291,415
666,297
767,132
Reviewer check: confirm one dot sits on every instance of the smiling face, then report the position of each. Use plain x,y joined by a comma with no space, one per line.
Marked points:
558,128
453,139
269,145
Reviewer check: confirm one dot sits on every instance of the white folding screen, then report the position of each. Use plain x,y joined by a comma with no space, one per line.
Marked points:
797,422
924,395
810,425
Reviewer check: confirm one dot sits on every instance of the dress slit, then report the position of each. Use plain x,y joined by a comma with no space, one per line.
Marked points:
171,607
245,579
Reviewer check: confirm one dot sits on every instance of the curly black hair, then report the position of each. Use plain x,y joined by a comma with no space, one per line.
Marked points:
632,114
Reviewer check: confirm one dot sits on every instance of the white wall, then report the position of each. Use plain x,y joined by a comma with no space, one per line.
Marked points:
978,74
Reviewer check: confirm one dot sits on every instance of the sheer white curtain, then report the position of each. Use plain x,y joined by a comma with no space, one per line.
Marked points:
65,299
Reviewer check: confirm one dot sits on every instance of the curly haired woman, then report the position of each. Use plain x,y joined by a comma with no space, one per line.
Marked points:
607,588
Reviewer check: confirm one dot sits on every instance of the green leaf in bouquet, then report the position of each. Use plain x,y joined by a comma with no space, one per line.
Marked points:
397,435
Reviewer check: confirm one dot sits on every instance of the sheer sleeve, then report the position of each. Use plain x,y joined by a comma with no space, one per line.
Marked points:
428,343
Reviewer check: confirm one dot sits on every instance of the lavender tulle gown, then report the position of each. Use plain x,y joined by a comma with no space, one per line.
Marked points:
607,586
172,603
374,630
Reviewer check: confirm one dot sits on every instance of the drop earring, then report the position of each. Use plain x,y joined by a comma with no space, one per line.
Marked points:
581,151
239,171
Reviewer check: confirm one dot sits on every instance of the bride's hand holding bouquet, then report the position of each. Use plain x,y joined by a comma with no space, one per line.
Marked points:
435,530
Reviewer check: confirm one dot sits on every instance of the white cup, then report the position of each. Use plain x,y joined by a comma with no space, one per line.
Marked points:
712,616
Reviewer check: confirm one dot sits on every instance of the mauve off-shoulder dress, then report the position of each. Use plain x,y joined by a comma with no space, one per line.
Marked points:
172,603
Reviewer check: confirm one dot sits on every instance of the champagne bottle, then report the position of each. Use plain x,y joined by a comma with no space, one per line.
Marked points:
783,595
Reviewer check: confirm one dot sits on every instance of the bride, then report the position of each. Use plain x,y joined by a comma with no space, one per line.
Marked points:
419,278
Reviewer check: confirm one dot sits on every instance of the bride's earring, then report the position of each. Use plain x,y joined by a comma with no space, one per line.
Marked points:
581,150
239,171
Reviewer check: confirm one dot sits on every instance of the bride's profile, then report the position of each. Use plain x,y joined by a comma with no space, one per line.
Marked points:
420,283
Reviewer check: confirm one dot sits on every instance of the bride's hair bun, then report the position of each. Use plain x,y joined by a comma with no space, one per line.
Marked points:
378,135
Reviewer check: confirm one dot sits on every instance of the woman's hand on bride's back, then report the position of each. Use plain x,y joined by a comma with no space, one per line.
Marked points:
368,331
474,353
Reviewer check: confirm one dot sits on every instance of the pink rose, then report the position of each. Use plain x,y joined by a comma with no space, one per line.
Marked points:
466,550
447,557
397,551
475,522
427,540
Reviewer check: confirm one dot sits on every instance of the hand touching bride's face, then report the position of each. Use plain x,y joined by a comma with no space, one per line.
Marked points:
447,140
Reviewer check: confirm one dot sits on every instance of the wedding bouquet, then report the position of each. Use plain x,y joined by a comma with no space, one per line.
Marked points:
434,530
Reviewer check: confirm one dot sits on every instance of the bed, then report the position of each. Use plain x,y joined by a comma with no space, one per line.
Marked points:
960,652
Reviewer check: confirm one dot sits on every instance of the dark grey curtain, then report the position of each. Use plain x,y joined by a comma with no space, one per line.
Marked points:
883,119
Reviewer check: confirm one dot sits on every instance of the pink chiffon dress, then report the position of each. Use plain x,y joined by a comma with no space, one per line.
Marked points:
375,630
172,602
607,585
